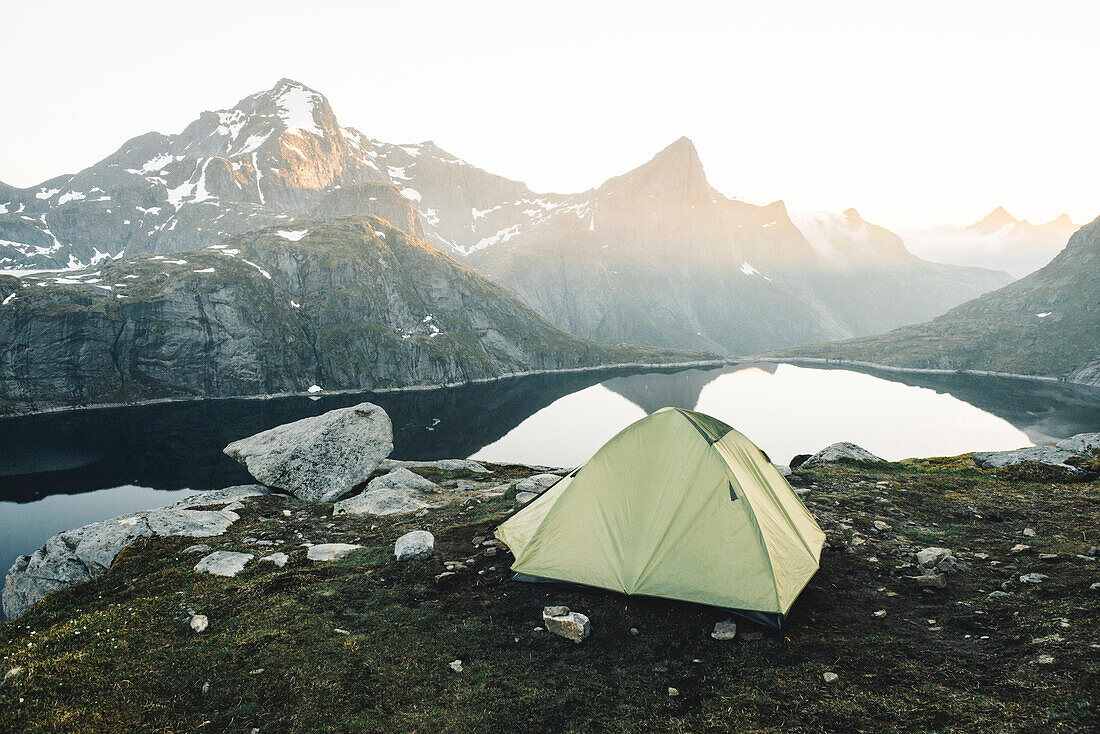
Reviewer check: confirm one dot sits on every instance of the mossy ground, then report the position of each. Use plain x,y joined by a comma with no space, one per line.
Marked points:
363,644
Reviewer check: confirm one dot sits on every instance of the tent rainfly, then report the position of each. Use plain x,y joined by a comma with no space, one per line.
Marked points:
676,505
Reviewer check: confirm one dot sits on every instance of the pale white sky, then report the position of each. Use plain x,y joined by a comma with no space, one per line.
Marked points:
913,112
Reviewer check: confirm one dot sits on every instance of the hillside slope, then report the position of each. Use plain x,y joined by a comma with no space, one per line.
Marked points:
1045,324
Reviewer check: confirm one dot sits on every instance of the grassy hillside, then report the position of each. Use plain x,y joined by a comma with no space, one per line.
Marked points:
1045,324
364,644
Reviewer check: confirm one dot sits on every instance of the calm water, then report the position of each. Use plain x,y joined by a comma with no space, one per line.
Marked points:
63,470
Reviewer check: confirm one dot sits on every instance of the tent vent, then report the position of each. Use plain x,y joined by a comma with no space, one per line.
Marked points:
733,495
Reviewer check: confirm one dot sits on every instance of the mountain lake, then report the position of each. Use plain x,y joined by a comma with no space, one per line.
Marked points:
63,470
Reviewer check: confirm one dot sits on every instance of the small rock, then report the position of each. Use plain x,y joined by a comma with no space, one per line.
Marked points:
564,623
197,548
223,563
932,556
673,692
444,576
830,677
414,546
880,526
1044,660
257,671
998,594
634,630
1095,587
724,630
932,581
13,673
537,484
330,551
1019,548
455,665
1029,532
1093,552
199,623
279,559
880,613
1033,578
524,497
206,687
1047,556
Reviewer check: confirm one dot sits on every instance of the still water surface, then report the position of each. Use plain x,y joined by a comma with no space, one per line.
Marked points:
60,471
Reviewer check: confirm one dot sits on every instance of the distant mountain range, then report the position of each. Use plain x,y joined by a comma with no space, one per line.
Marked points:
1045,324
998,241
354,303
656,256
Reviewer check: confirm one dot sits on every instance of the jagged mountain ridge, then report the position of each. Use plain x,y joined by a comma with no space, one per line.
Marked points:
351,304
275,155
1046,324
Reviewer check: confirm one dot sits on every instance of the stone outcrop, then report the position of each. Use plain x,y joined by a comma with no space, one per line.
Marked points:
841,451
82,554
321,458
398,492
330,551
223,563
1080,446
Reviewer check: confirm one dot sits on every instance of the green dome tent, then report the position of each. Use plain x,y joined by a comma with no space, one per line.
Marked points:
676,505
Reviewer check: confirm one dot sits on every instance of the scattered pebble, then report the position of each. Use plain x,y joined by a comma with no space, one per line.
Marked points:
455,665
673,692
724,630
199,623
830,677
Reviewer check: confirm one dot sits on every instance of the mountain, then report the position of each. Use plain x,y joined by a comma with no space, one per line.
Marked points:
275,155
658,256
353,303
1047,323
998,240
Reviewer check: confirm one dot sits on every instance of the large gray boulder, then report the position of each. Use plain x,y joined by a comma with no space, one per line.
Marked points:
318,459
1075,447
841,450
398,492
82,554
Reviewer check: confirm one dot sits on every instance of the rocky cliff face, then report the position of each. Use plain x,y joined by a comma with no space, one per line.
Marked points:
355,303
1045,324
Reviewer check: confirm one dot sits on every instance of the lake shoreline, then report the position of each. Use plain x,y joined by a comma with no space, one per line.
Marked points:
918,370
707,363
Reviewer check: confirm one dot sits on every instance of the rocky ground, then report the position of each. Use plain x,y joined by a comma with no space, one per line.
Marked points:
1001,633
